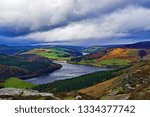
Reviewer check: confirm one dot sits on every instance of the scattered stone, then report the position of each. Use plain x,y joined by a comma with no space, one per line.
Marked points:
145,81
78,97
128,86
113,93
23,94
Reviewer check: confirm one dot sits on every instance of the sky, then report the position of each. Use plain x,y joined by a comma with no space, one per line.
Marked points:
74,22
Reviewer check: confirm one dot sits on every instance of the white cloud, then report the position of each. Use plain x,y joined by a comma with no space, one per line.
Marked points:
33,14
85,19
128,20
36,14
117,24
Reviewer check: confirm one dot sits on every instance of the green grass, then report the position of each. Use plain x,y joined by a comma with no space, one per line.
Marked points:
147,89
17,83
91,62
54,53
57,54
69,98
92,49
115,61
87,62
105,97
108,62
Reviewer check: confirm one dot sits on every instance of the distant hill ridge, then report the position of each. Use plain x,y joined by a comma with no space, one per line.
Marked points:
140,45
97,48
117,56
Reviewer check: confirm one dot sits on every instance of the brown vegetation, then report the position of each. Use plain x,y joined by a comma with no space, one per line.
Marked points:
100,89
134,83
122,53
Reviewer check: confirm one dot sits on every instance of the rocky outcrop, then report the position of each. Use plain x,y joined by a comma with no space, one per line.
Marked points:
23,94
132,83
135,83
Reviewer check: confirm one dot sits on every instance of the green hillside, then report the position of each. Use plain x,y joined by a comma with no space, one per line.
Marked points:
93,49
25,66
16,83
56,53
113,57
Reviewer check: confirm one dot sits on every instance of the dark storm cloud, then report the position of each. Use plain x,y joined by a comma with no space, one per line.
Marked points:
65,20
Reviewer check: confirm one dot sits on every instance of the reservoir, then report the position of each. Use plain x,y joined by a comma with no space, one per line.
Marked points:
66,72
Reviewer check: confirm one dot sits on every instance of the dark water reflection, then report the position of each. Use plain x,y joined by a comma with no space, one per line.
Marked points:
66,72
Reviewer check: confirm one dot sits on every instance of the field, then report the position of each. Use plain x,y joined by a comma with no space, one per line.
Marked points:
56,53
16,83
115,61
107,62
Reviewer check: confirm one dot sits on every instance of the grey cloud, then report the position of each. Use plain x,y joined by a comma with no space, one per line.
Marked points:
35,15
120,23
71,20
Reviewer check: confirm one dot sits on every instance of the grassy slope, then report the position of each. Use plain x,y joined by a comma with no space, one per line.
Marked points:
115,61
92,49
56,53
137,76
17,83
122,53
99,89
114,57
118,57
107,62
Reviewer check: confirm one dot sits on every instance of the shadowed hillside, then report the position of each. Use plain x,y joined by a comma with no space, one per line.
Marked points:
25,66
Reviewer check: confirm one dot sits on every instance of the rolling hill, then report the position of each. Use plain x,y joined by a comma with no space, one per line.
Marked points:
118,56
140,45
114,57
133,83
93,49
55,53
97,48
25,66
13,50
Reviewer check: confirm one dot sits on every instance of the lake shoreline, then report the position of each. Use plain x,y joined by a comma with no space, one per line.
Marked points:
67,71
95,65
41,73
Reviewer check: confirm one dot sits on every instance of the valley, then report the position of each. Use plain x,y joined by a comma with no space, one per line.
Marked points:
25,66
66,72
104,72
113,57
75,50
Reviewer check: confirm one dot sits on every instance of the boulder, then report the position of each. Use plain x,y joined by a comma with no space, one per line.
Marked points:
23,94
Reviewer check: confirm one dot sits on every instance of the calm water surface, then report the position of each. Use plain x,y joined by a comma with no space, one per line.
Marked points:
66,72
